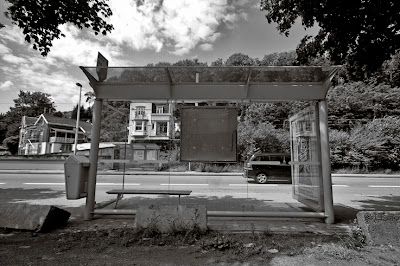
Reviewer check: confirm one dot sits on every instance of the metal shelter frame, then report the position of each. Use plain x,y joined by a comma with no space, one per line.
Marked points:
231,84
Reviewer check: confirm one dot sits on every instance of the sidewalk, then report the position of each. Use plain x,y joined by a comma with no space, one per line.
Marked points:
344,216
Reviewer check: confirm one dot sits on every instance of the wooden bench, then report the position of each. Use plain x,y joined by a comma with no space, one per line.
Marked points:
121,192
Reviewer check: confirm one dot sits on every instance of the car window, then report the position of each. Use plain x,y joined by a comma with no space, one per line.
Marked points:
257,158
276,158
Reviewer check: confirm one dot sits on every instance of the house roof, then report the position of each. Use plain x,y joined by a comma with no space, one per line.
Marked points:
51,119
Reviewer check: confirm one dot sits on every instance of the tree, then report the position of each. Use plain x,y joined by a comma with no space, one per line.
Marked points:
358,102
239,59
33,103
90,97
12,144
189,62
280,59
360,34
115,123
377,143
40,19
84,115
262,136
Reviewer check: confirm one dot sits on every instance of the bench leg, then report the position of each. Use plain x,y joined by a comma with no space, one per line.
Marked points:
119,197
179,199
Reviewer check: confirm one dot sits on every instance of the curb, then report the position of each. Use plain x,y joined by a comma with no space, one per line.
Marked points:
192,173
121,173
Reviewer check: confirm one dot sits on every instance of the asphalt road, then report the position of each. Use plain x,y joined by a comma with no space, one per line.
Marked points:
359,192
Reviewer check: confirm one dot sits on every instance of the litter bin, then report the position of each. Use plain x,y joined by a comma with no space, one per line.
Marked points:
76,169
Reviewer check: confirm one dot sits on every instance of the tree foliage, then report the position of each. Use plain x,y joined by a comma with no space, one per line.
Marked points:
374,145
280,59
40,19
33,103
12,144
262,136
114,123
239,59
84,114
359,102
360,34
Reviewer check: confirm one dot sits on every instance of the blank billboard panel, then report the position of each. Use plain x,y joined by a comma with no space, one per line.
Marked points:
208,134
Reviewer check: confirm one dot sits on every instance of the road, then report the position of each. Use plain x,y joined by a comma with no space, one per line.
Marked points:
359,192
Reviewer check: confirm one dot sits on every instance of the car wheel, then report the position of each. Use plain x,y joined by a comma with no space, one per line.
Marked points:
261,178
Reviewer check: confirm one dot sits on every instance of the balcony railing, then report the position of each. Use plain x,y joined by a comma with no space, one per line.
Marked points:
61,140
140,115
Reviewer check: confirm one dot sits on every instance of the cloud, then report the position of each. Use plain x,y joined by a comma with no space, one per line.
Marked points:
6,85
12,33
14,59
4,49
176,25
80,48
206,47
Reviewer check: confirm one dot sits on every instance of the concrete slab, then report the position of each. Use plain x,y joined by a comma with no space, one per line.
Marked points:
32,217
380,227
170,218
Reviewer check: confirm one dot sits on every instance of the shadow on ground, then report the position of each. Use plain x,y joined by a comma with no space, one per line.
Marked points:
381,203
12,195
343,213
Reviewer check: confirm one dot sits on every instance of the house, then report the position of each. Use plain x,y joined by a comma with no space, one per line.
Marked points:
49,134
151,121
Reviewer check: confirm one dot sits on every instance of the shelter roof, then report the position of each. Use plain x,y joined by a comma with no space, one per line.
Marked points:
233,83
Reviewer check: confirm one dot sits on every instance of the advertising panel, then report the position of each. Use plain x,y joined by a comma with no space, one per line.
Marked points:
306,158
208,134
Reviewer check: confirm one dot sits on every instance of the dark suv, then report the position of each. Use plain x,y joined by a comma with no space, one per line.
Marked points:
266,167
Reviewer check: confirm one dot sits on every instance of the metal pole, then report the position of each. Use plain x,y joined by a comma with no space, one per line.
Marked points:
93,158
77,117
325,162
227,213
266,214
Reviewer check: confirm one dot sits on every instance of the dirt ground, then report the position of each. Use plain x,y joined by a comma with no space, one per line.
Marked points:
126,246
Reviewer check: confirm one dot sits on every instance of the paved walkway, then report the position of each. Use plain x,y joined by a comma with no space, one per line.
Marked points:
345,217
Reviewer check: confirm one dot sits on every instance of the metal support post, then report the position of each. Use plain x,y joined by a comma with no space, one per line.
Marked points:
77,118
325,162
93,158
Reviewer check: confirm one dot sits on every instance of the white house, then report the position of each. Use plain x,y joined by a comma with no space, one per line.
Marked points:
151,121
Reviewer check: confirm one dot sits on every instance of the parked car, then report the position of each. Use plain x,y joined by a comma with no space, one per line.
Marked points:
268,167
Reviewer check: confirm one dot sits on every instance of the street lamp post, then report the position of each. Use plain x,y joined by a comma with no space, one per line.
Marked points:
77,118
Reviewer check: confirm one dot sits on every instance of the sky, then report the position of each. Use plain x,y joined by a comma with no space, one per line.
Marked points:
145,31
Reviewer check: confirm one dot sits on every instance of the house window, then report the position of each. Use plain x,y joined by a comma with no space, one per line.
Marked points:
161,128
139,127
160,110
140,111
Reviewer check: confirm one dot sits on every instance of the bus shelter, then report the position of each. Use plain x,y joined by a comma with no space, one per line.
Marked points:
312,183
